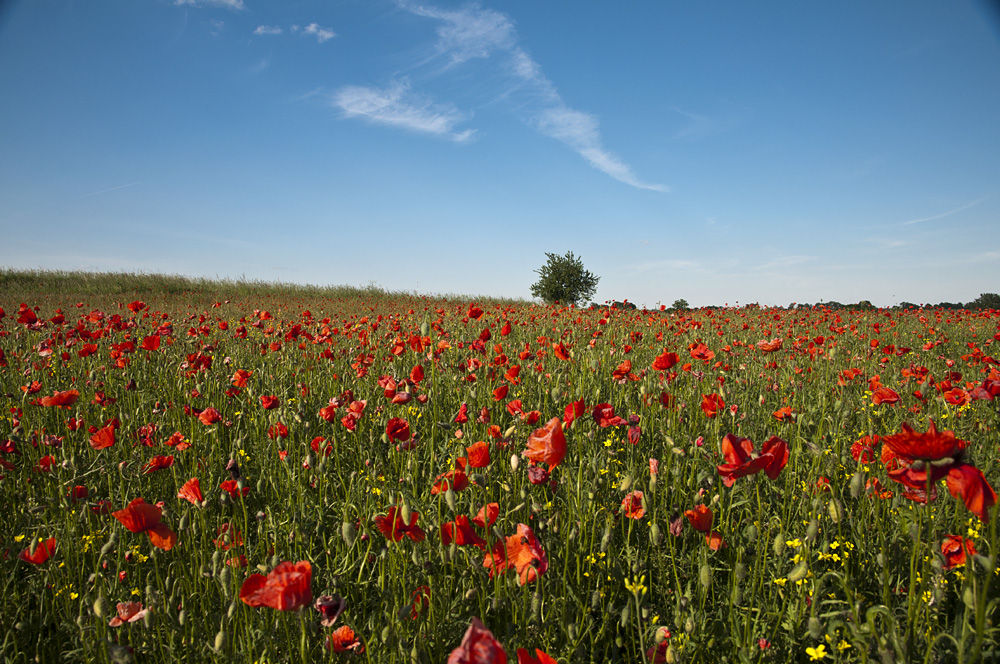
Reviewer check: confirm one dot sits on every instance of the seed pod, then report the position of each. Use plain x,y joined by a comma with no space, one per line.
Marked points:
606,538
595,600
404,512
800,571
812,531
232,609
779,544
536,606
101,606
181,617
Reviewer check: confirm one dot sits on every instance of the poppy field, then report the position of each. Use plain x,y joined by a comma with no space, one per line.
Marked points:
233,472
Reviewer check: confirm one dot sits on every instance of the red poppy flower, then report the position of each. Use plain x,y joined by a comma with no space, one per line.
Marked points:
209,416
460,531
741,460
632,505
42,552
604,415
62,399
151,342
227,537
479,454
241,377
547,445
269,402
622,372
158,462
232,487
487,515
141,517
286,588
420,599
954,548
771,346
479,646
191,492
711,404
702,352
397,429
701,518
128,612
330,607
884,395
456,480
784,414
104,437
343,639
665,361
714,541
521,552
560,351
908,456
394,528
540,657
573,410
863,449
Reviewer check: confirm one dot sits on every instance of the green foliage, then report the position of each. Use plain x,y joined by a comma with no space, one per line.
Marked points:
985,301
680,305
564,279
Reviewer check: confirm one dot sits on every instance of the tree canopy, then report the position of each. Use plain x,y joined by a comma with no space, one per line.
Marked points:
564,279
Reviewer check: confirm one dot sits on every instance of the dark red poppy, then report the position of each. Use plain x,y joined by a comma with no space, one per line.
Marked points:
141,517
547,444
394,528
955,548
397,429
500,393
883,395
711,404
741,460
604,415
330,607
420,599
478,646
863,449
151,342
456,480
632,505
286,588
61,399
522,552
241,377
269,402
573,410
232,487
42,552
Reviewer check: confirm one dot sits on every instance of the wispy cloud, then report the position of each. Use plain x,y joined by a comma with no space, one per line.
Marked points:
785,261
961,208
268,30
235,5
396,106
471,33
320,33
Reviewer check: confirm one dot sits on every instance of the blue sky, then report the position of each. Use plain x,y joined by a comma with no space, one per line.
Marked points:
720,152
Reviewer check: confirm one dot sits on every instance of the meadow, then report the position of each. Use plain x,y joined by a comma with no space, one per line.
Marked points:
201,471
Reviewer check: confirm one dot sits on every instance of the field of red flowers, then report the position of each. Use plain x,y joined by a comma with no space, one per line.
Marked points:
224,475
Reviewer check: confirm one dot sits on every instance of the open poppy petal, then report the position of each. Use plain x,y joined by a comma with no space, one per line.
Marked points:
967,483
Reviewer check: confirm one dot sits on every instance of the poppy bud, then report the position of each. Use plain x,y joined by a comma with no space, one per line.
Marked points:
750,533
984,562
812,531
348,532
626,613
779,544
740,572
815,627
182,526
220,641
836,510
147,619
969,598
513,462
449,498
536,606
654,533
425,329
705,576
101,606
857,483
404,512
232,609
652,483
800,571
510,431
626,483
224,581
689,625
181,617
595,600
606,538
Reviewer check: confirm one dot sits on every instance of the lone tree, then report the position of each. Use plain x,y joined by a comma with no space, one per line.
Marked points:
564,279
